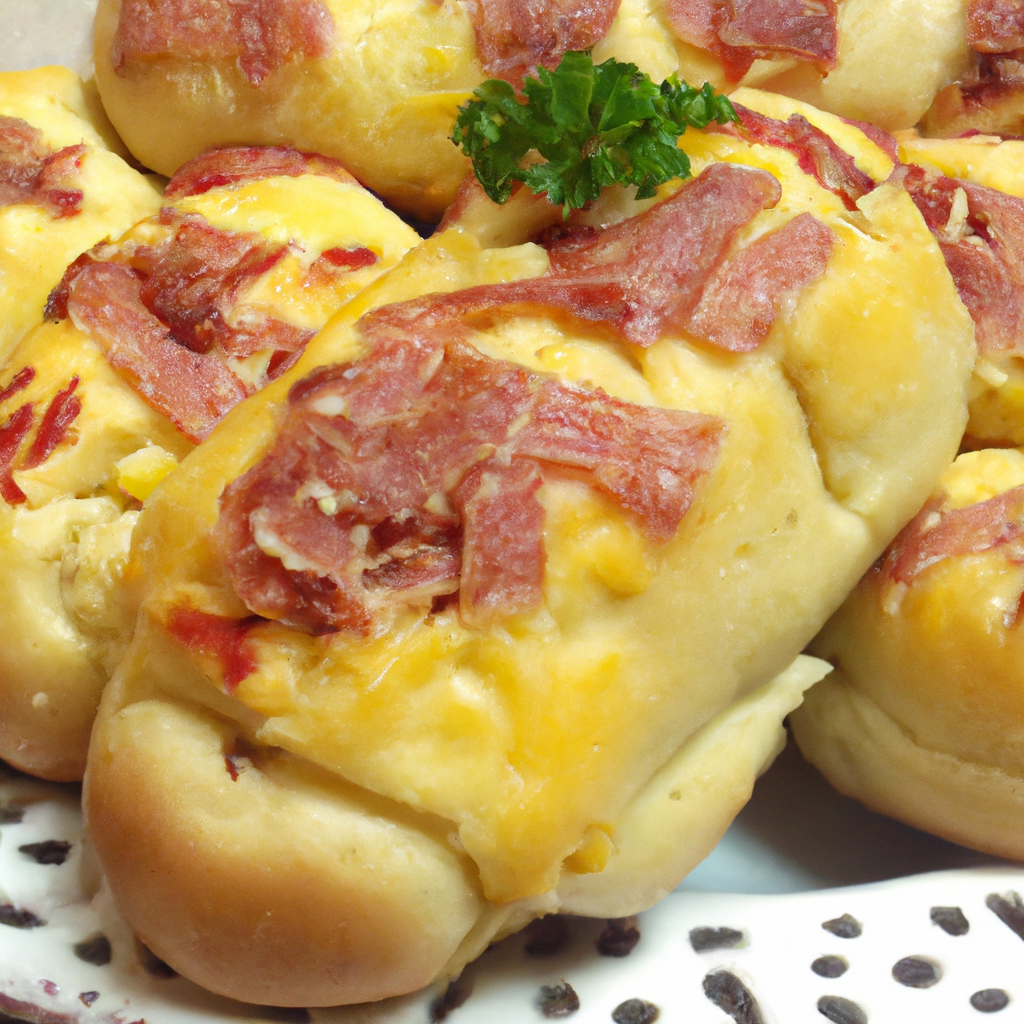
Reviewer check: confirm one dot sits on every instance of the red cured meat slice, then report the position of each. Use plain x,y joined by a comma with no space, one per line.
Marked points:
19,382
194,279
642,276
237,165
995,26
806,28
62,411
12,434
514,36
193,390
740,31
500,501
933,535
263,35
743,299
984,252
219,637
419,462
30,173
817,152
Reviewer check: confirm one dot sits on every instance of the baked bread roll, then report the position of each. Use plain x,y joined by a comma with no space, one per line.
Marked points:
971,194
485,609
377,85
63,187
922,718
158,336
988,96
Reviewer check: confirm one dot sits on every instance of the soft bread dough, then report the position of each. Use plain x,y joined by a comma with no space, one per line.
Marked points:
35,245
384,100
997,387
63,550
523,752
923,718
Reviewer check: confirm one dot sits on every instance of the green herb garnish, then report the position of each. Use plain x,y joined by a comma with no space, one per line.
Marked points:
592,126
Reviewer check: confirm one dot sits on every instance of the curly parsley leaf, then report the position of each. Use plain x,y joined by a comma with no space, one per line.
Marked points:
583,126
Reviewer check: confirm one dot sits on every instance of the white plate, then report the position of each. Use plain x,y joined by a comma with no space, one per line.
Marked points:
795,834
797,856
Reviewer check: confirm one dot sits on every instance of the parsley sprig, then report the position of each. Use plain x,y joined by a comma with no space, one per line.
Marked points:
592,125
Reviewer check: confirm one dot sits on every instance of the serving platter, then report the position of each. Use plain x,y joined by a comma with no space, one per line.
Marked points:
811,908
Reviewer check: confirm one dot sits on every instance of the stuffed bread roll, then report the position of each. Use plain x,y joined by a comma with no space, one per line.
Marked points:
485,609
150,341
971,194
63,187
988,95
377,85
922,717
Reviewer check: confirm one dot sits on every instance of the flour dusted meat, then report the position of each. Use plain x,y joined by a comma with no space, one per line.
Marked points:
263,35
168,316
743,299
817,152
740,31
514,36
30,173
981,234
237,165
643,276
193,390
934,534
412,473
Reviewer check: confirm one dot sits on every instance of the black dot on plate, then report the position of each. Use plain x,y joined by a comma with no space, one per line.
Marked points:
88,998
916,972
703,939
94,950
990,1000
951,920
558,1000
619,937
13,917
1009,909
728,993
830,966
841,1011
51,851
845,927
635,1011
546,936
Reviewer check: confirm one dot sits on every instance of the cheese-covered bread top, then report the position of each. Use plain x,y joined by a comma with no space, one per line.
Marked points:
378,85
150,340
519,524
971,194
63,187
923,718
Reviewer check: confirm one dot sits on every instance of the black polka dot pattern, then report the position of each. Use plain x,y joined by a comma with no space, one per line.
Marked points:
728,993
830,966
841,1011
990,1000
635,1011
704,939
951,920
916,972
845,927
